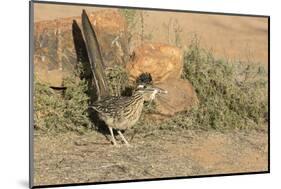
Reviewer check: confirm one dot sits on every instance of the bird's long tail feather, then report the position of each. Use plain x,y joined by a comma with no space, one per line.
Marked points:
95,57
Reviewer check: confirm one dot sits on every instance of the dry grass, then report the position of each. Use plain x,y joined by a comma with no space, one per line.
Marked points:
72,158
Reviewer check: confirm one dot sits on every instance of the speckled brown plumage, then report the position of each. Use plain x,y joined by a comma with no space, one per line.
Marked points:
120,112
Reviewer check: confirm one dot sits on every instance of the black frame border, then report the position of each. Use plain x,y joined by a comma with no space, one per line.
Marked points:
31,130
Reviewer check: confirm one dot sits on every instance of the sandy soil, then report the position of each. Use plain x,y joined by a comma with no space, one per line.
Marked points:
232,37
70,158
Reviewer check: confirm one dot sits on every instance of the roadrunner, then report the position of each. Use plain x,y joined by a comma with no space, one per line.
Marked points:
122,112
118,112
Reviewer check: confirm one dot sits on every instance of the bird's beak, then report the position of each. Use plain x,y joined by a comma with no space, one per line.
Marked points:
160,91
155,90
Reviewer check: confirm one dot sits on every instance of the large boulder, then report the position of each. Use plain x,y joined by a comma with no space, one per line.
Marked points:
165,64
111,28
59,44
54,52
160,60
181,96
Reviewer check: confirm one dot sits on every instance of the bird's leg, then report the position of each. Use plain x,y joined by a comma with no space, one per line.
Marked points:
123,138
149,104
112,136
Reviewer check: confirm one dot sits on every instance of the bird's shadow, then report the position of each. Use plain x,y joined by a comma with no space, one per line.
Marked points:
100,124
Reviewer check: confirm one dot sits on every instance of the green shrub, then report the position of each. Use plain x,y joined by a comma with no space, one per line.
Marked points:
231,95
60,111
117,80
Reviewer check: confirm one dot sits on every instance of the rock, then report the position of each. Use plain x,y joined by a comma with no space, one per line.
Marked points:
56,55
160,60
181,96
164,63
111,29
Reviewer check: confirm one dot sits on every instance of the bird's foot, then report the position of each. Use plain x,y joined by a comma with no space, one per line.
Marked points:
114,143
128,145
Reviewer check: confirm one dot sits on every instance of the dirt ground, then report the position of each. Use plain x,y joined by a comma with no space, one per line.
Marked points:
72,158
